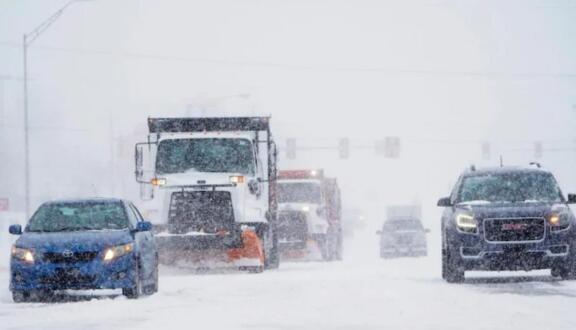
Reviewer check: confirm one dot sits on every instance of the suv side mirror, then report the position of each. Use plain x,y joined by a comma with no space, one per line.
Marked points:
571,198
444,202
15,230
144,226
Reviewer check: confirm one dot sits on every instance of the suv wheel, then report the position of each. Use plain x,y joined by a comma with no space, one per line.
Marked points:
567,271
452,268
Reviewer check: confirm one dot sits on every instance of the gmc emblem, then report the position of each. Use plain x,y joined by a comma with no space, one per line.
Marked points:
514,226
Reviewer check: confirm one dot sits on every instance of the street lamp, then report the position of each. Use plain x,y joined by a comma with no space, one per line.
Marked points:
27,40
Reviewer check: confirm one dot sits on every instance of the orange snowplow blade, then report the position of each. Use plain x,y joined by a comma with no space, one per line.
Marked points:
252,248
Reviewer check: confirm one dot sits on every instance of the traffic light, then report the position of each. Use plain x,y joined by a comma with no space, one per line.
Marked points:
344,148
486,150
538,149
291,148
389,147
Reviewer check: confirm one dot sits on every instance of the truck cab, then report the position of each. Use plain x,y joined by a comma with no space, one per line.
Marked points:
215,179
309,213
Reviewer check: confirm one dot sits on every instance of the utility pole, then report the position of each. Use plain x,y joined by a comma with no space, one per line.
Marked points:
27,40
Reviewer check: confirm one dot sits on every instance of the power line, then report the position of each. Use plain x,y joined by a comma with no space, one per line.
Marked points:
305,67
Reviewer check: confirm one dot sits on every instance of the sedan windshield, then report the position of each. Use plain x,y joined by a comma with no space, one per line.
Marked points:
299,192
79,216
509,187
222,155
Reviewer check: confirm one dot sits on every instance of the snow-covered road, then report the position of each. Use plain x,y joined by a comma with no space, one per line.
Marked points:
366,293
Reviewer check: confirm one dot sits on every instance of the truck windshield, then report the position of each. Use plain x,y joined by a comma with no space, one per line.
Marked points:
221,155
509,187
299,192
79,216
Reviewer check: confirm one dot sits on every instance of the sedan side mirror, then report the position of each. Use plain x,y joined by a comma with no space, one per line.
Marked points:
444,202
144,226
571,198
15,230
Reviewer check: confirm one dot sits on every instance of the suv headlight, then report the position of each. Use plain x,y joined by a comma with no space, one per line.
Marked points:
466,223
114,252
26,255
559,221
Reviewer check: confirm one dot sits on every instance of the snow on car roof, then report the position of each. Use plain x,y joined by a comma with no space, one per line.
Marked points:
85,200
503,169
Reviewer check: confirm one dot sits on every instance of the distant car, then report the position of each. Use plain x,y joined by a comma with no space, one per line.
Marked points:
83,244
507,218
403,237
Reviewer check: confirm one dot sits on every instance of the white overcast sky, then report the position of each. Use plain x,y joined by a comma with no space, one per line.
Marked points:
442,75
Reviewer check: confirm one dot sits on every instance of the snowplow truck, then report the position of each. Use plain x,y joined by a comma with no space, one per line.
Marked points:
309,217
215,182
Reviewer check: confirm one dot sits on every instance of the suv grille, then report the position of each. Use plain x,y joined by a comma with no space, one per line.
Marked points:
292,226
207,211
514,230
69,258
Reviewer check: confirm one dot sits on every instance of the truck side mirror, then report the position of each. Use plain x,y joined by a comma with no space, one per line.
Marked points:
444,202
571,198
254,187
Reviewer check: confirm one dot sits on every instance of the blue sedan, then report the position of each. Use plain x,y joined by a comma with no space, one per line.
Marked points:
83,245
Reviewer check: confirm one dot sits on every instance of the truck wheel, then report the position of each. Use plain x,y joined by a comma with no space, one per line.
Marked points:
272,258
339,255
255,269
324,247
452,268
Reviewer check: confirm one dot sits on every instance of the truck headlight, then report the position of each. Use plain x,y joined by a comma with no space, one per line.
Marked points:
26,255
114,252
158,182
466,223
237,179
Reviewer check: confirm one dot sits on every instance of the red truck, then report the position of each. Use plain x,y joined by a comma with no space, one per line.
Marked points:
309,218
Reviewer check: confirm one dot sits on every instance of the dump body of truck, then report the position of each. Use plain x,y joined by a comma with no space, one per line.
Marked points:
309,214
215,179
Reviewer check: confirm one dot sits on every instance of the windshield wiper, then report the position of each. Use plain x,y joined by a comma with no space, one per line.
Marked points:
73,228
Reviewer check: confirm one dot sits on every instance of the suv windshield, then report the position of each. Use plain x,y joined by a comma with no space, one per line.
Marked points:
299,192
509,187
402,224
223,155
79,216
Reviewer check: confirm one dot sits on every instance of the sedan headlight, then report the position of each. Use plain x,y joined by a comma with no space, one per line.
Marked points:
114,252
466,223
26,255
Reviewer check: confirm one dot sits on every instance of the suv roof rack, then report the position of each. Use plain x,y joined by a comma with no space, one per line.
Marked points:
537,164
